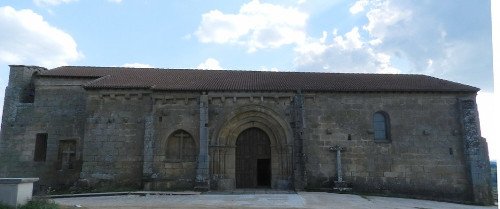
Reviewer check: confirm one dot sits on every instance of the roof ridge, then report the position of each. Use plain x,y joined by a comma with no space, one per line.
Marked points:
236,80
229,70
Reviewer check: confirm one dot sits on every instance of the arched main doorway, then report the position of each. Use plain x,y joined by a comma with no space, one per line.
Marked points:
253,159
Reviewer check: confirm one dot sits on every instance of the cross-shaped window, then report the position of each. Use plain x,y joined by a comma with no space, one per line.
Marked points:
181,147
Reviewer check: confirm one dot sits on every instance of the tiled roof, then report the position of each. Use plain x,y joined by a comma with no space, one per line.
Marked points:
230,80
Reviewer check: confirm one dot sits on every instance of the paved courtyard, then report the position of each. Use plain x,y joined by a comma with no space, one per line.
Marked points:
257,200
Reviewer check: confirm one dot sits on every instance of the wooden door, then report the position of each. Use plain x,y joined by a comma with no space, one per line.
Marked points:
253,159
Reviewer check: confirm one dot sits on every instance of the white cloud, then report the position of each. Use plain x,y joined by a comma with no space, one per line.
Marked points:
272,69
26,38
115,1
256,26
358,7
137,65
210,64
397,36
383,17
350,41
345,53
375,42
422,38
384,65
52,2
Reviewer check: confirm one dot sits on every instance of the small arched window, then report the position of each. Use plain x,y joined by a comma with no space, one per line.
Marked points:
381,126
181,147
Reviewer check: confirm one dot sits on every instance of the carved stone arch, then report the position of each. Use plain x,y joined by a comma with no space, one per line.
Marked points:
223,143
252,122
248,114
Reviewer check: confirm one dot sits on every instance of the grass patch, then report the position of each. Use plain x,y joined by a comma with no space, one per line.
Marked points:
40,204
4,206
35,204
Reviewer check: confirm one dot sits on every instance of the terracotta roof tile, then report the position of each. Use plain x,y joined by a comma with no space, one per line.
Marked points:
230,80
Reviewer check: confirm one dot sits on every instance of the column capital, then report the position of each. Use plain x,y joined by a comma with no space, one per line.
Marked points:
336,148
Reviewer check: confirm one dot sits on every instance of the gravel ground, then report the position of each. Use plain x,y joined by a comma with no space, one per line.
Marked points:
221,201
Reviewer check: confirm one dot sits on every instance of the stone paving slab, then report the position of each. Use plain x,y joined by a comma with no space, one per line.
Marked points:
251,191
188,201
223,201
141,193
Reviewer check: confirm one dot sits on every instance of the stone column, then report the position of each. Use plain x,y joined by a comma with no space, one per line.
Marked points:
476,153
299,156
202,175
147,166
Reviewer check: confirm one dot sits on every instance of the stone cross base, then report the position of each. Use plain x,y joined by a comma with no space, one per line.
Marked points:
341,187
201,184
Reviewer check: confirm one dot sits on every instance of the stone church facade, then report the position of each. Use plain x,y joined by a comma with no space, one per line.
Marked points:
175,129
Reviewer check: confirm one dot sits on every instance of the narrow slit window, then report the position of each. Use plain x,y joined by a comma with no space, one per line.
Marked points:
40,147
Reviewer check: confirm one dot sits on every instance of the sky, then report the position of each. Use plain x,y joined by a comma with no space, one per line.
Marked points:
449,39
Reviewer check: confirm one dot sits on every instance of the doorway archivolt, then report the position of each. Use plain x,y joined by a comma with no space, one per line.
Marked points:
224,142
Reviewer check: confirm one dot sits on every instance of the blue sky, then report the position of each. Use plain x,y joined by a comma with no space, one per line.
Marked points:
448,39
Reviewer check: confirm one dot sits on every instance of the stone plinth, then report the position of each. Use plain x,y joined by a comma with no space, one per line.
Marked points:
225,184
341,187
16,191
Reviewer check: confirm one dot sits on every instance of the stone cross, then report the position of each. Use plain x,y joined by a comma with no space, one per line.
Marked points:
338,149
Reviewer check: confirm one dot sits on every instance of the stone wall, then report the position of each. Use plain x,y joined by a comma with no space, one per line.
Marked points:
114,137
58,111
180,111
175,112
147,139
476,153
424,156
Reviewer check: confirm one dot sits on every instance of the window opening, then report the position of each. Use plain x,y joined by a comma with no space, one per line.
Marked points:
381,126
40,147
181,147
67,154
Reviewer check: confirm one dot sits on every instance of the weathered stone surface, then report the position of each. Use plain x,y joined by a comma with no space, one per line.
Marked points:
476,153
122,138
58,110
